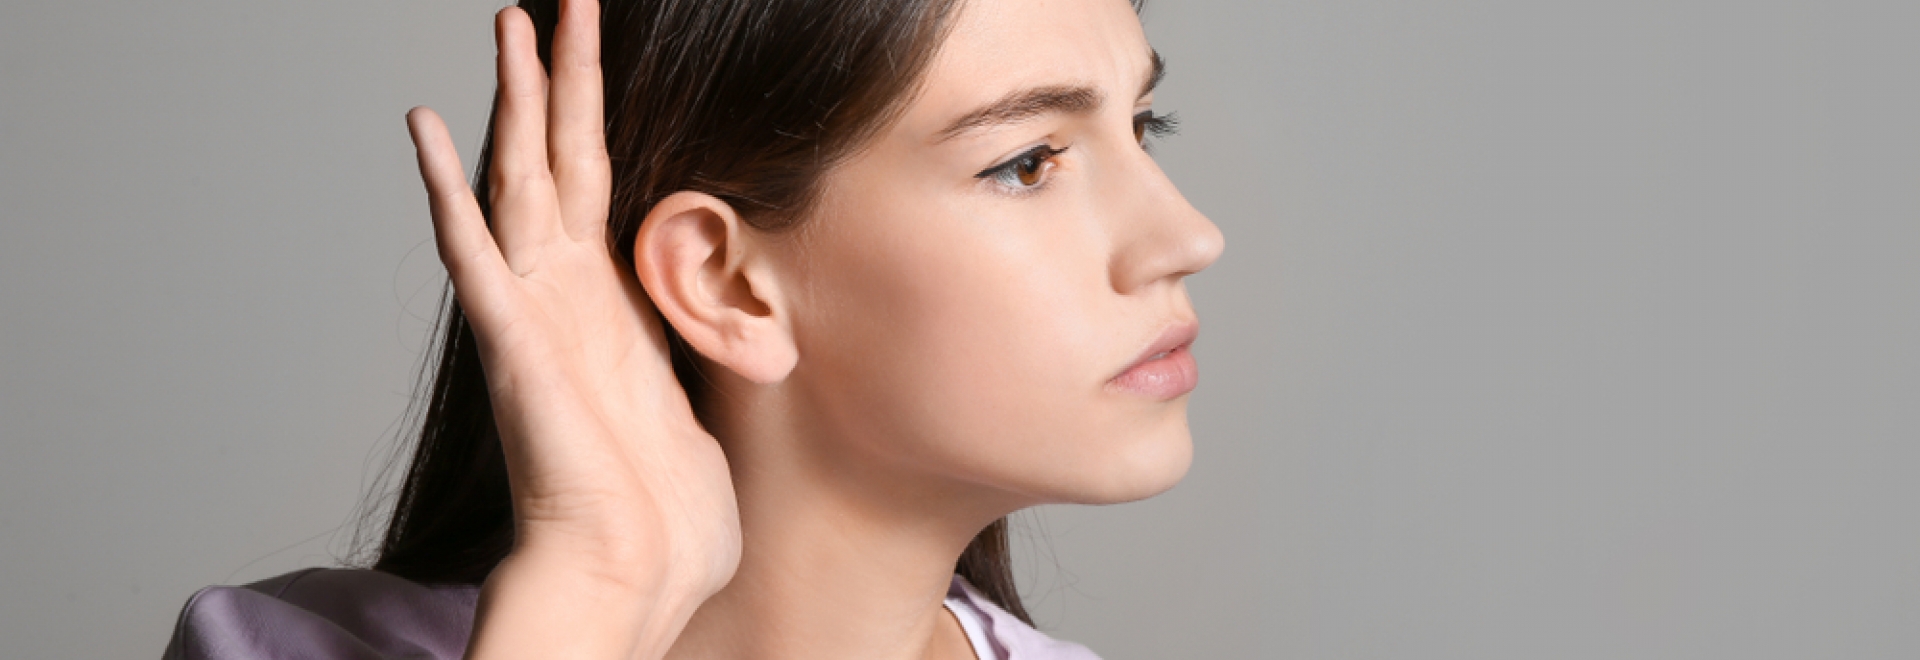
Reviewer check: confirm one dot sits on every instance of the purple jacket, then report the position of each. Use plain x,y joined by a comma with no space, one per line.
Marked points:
353,614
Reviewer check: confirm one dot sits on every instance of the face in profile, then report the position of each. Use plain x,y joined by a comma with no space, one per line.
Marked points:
991,294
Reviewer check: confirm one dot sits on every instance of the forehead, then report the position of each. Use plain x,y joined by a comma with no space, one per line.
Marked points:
999,46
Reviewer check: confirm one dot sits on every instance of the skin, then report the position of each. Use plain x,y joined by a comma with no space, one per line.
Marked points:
929,352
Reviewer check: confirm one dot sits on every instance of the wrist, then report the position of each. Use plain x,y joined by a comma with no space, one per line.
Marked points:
550,605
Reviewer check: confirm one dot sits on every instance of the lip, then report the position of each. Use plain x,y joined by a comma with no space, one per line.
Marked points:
1165,369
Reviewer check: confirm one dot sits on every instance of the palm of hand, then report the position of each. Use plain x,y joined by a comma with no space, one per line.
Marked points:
607,464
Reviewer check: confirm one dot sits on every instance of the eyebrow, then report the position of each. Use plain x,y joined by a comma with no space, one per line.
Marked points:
1031,102
1154,76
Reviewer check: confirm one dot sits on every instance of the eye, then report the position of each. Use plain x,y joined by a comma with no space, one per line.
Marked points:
1024,172
1146,123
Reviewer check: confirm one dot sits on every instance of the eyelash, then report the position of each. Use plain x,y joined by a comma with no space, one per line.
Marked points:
1147,124
1007,174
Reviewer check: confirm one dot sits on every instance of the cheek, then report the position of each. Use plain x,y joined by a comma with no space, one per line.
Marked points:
978,348
974,315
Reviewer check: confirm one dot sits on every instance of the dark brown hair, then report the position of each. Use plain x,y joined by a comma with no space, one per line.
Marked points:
748,100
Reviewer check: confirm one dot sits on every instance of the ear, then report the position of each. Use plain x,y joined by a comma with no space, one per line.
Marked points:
713,281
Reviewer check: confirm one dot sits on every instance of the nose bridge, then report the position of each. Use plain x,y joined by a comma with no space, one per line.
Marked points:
1158,234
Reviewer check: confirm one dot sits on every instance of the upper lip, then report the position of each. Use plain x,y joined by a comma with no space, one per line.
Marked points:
1179,334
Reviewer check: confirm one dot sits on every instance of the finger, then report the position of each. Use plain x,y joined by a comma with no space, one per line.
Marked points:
524,215
459,230
576,129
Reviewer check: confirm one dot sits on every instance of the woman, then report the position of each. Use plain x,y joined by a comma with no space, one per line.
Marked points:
758,340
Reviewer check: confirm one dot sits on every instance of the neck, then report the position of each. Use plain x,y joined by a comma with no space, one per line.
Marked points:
840,557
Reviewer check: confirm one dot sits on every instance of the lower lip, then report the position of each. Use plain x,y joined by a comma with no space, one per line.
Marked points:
1165,377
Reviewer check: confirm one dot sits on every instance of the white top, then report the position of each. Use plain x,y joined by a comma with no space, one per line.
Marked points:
996,634
972,620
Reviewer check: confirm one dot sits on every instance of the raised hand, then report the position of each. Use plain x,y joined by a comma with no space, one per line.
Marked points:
624,511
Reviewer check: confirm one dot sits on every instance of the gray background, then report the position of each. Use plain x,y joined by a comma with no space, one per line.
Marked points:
1545,329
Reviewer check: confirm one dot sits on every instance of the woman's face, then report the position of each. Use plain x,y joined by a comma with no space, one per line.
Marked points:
976,285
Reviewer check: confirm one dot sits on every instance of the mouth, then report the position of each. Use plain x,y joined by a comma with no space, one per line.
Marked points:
1166,368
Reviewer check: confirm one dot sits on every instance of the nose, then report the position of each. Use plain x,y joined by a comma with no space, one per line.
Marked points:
1161,237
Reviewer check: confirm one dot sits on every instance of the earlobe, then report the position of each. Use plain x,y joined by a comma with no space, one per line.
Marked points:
711,279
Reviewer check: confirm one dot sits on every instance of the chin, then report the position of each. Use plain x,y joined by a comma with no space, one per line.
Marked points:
1145,465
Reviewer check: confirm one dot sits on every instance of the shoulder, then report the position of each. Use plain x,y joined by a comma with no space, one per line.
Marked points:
1011,638
325,613
340,614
